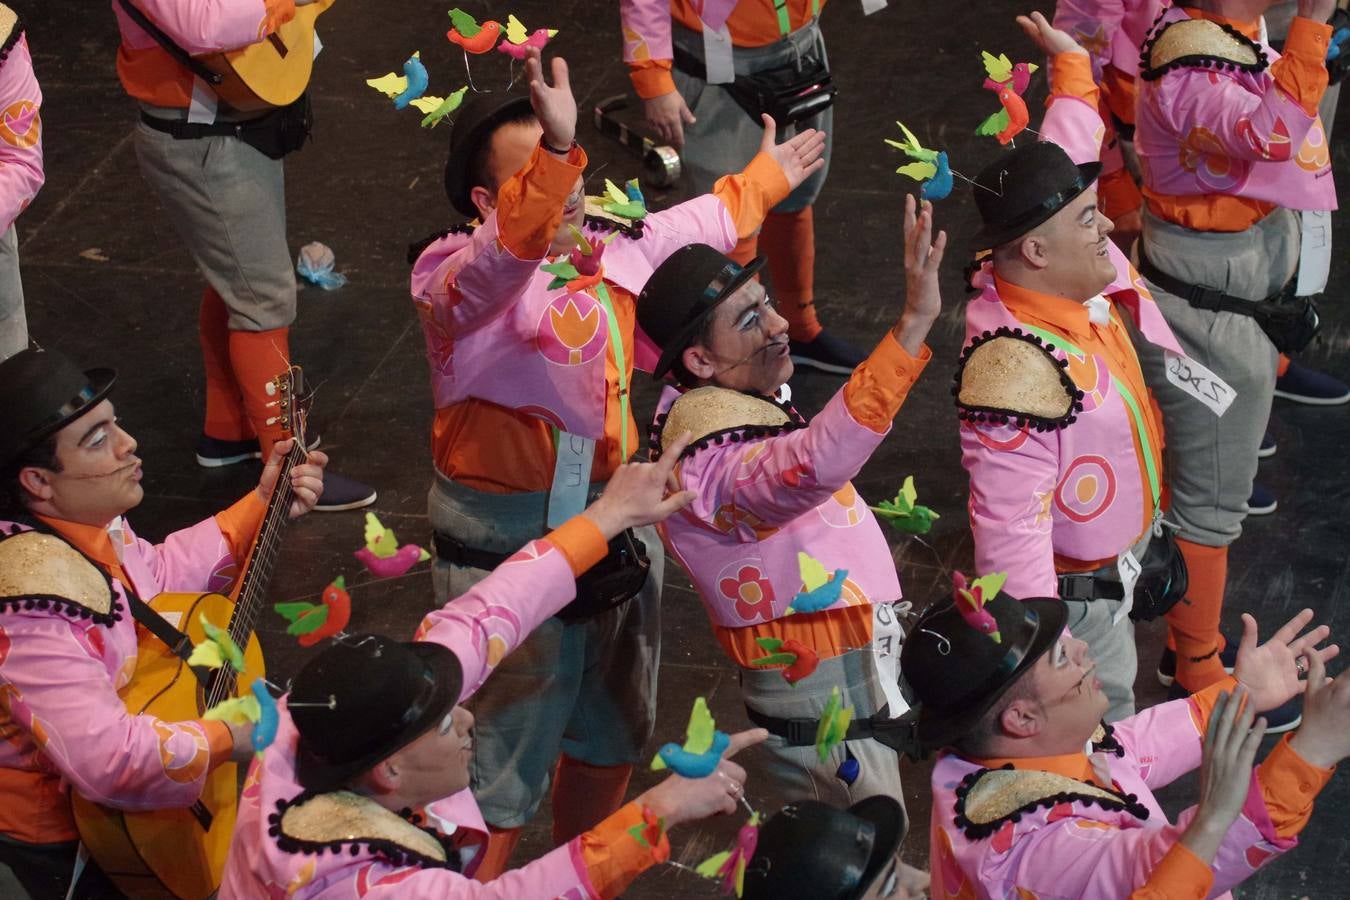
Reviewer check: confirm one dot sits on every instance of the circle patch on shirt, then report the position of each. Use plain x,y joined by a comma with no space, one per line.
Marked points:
1087,489
20,124
572,330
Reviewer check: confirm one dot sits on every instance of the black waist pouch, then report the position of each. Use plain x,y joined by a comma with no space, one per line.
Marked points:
614,580
792,93
1290,322
1162,578
284,130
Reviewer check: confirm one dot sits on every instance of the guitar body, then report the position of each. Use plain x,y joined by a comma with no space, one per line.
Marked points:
169,852
273,72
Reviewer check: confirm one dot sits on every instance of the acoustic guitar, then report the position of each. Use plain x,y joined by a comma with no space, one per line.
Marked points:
273,72
181,852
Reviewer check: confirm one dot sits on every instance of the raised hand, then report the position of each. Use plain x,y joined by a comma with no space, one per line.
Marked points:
923,259
667,115
678,799
800,156
1231,742
306,477
1050,39
1324,737
1270,672
637,493
555,107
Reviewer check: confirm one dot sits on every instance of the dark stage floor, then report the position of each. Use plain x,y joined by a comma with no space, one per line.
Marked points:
108,282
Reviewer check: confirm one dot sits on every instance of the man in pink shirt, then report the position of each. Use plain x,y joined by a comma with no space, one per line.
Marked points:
20,170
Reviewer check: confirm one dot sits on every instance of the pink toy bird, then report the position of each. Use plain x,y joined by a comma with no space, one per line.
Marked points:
538,38
970,601
382,555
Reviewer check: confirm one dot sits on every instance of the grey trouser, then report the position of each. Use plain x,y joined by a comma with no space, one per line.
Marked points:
1211,460
724,139
1111,646
227,201
13,321
587,689
784,774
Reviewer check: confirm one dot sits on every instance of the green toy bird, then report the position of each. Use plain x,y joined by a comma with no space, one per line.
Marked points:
629,205
439,111
903,514
833,727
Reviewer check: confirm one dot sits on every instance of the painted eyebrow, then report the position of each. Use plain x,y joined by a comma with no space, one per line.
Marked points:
95,427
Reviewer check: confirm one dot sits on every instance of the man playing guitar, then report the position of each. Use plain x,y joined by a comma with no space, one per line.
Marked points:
72,577
217,170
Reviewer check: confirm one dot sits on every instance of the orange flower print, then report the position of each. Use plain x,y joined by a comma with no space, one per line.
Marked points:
173,739
1202,153
752,592
1313,154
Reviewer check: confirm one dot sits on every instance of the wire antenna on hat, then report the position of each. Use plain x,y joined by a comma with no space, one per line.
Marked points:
944,645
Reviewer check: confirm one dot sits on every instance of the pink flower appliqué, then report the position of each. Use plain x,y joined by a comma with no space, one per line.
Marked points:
752,592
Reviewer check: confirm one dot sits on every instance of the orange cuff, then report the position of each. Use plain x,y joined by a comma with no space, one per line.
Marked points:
219,740
878,388
240,523
750,195
1301,70
1289,784
1178,874
651,78
1202,703
530,204
1071,76
580,541
613,853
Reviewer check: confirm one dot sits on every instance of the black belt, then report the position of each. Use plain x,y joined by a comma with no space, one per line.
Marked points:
1090,586
460,554
1201,297
802,732
191,131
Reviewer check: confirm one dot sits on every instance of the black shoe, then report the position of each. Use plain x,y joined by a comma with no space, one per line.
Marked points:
1262,502
1285,717
1304,385
342,493
213,453
1268,447
1167,666
827,353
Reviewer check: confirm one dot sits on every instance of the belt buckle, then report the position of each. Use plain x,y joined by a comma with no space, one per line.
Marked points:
1204,297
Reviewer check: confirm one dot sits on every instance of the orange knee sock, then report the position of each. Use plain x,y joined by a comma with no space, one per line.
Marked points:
1194,622
225,418
584,795
501,844
258,357
789,241
1282,367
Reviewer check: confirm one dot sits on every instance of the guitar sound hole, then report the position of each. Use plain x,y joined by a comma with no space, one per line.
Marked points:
278,43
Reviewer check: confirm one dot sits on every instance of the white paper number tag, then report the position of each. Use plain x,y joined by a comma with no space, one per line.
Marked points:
571,478
318,45
871,6
886,638
1128,568
202,108
717,57
1314,254
1202,384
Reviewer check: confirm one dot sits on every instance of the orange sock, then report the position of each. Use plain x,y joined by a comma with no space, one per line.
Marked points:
257,358
1194,622
584,795
501,844
1282,367
225,418
789,241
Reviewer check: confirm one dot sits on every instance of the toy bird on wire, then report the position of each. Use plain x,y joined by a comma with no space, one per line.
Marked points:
971,599
382,555
471,36
518,40
903,513
702,750
1008,81
929,166
313,622
820,590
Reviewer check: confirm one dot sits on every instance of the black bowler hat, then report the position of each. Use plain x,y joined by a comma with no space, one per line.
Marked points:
1024,187
477,119
682,292
958,672
41,391
810,849
364,698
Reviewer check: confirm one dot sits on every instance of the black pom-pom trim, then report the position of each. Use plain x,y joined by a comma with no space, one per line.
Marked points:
15,33
415,250
1012,416
632,230
736,434
1109,743
394,854
1194,60
55,602
977,832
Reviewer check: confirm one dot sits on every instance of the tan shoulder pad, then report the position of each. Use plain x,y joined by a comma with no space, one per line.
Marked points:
43,570
10,30
1009,375
710,412
330,821
1199,43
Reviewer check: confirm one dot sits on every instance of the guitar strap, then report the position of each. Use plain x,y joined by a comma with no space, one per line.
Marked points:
177,642
196,66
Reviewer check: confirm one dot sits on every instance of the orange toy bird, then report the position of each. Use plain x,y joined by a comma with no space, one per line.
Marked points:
1008,81
467,33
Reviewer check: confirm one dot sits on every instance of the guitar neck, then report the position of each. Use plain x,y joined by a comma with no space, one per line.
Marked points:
262,559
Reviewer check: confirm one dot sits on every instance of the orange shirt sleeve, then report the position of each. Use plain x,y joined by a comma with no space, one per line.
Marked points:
750,195
580,541
1071,76
1202,702
1289,784
240,523
530,204
1180,874
276,13
219,741
614,856
1301,70
877,389
651,78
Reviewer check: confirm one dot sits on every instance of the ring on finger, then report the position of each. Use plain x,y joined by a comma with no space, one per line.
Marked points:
1301,667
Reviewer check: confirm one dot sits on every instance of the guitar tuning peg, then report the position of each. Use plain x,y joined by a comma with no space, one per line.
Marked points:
270,388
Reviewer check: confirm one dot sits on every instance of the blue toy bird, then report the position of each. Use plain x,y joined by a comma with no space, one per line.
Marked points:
418,79
930,166
820,590
1335,47
702,750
